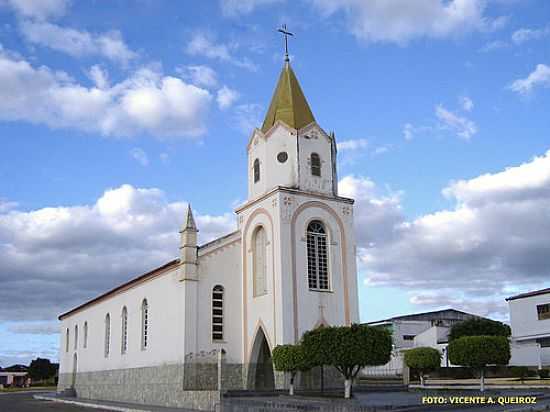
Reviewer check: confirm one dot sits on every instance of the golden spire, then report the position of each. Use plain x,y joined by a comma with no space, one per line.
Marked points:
288,103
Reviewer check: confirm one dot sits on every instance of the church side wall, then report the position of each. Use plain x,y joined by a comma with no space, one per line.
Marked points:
165,304
221,267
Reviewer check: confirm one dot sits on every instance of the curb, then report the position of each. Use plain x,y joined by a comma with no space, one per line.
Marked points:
89,404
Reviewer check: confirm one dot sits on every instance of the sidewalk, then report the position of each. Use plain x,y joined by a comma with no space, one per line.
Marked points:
107,405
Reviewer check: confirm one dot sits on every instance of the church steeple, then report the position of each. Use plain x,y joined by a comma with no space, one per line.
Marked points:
188,247
288,103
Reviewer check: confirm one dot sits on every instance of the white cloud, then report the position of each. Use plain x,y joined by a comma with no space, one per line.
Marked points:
247,117
400,21
524,35
147,102
164,158
233,8
77,43
494,45
463,256
34,328
408,131
202,44
352,145
539,77
463,127
466,103
88,249
199,75
140,156
7,205
39,9
99,76
382,149
226,97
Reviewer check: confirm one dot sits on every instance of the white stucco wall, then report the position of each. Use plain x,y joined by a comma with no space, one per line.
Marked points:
273,173
524,319
314,140
296,171
414,328
164,297
220,265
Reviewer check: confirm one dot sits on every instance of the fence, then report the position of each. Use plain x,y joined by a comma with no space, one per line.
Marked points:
394,368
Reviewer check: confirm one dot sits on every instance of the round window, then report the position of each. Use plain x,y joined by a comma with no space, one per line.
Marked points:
282,157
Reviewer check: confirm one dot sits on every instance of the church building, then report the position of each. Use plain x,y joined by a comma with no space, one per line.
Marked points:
289,267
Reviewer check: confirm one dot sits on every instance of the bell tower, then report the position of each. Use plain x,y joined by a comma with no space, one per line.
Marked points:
290,149
298,244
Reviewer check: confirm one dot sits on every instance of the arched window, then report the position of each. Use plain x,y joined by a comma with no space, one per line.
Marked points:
124,331
260,266
144,324
67,340
75,337
315,164
107,334
85,335
217,312
256,170
317,256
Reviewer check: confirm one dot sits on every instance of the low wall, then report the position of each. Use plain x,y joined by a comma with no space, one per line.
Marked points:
159,385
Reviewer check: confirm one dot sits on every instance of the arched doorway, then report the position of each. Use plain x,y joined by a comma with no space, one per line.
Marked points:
260,374
73,378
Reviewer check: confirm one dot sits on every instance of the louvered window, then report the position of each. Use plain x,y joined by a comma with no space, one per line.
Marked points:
124,331
256,170
315,164
144,324
317,256
217,312
107,334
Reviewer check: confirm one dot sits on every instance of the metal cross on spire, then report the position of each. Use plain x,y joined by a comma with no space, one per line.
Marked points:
285,33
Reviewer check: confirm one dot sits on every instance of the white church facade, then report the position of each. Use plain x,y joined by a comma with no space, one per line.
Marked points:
289,267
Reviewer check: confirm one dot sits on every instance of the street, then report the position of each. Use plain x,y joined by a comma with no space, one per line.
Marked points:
24,402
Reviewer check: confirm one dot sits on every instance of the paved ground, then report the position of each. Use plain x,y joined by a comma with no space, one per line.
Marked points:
409,401
24,402
458,400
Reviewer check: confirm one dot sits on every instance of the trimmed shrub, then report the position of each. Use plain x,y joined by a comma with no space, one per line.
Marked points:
479,351
348,349
424,360
290,358
479,327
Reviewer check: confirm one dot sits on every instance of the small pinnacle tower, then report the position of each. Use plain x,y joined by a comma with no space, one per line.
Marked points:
188,247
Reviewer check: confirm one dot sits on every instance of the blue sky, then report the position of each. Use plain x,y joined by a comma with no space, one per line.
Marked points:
113,117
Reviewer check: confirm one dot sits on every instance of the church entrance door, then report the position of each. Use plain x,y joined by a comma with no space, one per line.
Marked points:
261,377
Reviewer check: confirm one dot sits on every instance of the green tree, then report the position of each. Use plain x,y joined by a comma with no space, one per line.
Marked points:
42,369
479,351
348,349
479,327
290,358
424,360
